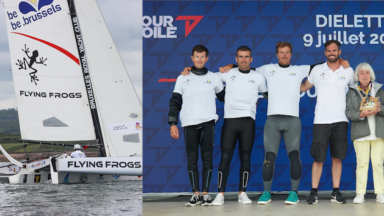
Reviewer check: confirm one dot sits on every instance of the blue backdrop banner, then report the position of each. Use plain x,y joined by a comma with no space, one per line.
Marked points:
172,28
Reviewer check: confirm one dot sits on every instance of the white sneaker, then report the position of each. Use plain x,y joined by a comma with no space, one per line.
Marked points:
243,198
380,198
219,200
359,199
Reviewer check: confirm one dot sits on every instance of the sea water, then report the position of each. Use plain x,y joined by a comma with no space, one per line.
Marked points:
109,198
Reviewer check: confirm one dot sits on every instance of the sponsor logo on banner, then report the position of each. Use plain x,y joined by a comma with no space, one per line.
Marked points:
37,164
83,178
30,11
14,169
126,127
162,26
116,176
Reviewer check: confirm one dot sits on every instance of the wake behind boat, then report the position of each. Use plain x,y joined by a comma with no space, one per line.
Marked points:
71,85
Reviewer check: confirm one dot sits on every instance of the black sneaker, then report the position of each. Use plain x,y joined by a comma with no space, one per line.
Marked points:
206,200
312,198
195,200
337,198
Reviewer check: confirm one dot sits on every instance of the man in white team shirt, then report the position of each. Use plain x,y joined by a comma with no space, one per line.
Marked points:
331,124
283,80
195,96
77,153
241,94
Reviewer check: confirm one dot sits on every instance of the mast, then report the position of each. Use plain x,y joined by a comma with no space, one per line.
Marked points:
86,76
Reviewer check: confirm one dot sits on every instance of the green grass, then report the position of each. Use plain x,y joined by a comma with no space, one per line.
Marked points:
10,144
18,148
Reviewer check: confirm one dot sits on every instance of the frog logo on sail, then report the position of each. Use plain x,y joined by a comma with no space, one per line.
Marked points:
41,9
30,63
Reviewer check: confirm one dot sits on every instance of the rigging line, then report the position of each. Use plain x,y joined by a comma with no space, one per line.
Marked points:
102,121
98,126
113,44
78,6
23,74
111,141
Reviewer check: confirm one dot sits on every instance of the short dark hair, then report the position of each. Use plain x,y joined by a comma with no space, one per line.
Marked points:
243,48
282,45
200,48
331,42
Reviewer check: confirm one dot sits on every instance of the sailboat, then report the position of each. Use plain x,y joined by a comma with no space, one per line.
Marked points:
71,85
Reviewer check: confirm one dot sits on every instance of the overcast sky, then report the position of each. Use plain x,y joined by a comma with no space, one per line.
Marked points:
123,18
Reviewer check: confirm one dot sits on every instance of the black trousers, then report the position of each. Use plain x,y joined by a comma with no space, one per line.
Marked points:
203,136
242,130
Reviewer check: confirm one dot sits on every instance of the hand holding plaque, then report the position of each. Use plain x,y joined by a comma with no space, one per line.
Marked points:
369,103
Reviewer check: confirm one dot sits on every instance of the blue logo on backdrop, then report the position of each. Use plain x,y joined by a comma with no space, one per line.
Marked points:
260,25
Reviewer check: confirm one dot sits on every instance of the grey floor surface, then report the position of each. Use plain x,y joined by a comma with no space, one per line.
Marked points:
173,204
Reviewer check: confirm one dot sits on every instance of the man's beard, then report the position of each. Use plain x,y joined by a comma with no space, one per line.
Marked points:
333,61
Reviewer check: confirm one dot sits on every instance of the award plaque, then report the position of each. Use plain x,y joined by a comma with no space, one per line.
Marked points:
369,103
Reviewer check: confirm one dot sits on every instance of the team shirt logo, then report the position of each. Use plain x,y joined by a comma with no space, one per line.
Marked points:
323,75
207,82
272,72
292,74
341,78
252,81
233,78
187,82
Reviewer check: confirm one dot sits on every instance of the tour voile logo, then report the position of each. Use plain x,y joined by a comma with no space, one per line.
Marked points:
162,26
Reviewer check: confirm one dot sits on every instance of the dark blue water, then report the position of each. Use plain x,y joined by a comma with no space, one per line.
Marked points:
110,198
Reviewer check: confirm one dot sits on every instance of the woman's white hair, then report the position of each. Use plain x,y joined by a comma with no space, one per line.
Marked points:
364,66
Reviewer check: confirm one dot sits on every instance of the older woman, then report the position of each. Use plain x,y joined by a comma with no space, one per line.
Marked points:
367,131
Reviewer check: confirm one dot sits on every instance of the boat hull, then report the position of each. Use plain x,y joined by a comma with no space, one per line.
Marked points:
63,178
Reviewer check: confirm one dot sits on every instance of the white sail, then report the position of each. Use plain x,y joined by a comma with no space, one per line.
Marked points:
51,95
119,108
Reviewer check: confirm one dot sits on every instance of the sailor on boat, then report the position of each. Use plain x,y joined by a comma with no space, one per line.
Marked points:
77,153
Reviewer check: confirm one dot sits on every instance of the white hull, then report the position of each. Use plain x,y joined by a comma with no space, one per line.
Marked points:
63,178
42,171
